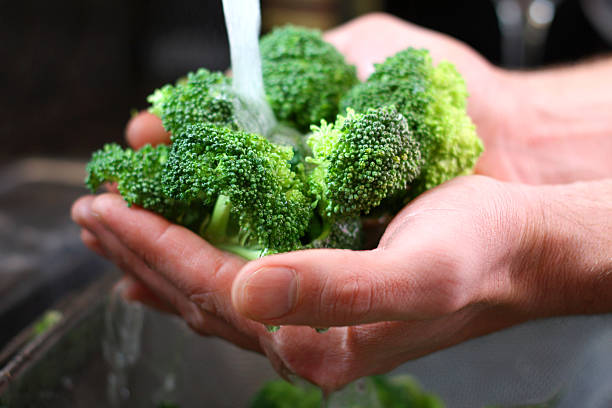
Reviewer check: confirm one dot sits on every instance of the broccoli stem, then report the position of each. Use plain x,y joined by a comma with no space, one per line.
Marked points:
246,253
216,230
325,232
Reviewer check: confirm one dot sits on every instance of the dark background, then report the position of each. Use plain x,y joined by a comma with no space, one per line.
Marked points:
72,71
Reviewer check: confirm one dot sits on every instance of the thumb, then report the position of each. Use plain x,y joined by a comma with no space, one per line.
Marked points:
324,287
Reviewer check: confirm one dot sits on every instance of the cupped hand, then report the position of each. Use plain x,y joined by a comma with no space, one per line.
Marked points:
441,275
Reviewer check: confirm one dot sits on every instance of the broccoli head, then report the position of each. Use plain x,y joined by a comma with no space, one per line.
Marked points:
304,76
138,175
360,160
201,97
247,178
433,101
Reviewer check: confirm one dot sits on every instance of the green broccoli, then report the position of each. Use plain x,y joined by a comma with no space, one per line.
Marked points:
304,76
360,160
138,175
200,97
254,195
433,101
248,179
399,391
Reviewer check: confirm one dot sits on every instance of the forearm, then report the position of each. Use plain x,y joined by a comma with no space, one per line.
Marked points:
565,260
564,116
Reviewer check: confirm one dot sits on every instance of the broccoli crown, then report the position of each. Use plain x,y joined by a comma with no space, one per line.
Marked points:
265,196
361,159
201,97
138,175
304,76
433,100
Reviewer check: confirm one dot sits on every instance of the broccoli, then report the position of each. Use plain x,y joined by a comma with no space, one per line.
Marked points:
250,182
399,391
138,175
433,101
403,131
360,160
200,97
304,76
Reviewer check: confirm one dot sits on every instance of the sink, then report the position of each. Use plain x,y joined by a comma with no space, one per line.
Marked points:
41,256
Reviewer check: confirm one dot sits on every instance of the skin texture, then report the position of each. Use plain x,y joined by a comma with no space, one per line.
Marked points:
469,257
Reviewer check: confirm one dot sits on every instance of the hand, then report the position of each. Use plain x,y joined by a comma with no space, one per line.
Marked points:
437,292
421,290
467,258
541,127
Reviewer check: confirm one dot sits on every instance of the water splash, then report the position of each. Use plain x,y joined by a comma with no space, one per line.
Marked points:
121,344
243,22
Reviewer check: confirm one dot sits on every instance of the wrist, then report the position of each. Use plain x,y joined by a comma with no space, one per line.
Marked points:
564,260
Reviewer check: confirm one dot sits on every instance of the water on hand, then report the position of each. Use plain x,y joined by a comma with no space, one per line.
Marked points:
243,22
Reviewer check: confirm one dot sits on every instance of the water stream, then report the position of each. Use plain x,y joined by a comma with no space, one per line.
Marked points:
243,22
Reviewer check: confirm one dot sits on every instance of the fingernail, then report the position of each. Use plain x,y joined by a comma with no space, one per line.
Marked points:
270,293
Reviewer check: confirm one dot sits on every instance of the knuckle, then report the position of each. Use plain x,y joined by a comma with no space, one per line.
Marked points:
348,299
445,284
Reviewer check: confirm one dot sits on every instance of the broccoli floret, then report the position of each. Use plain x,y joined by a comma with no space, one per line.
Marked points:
399,391
304,76
138,175
281,394
201,97
360,160
433,100
248,178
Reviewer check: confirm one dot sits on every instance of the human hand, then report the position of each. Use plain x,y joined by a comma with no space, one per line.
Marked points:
417,295
420,291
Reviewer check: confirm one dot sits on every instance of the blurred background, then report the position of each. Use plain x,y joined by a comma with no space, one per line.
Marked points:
71,73
73,70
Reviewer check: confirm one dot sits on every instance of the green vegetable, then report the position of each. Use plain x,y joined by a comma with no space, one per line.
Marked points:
254,195
390,392
138,175
201,97
433,101
281,394
362,159
259,201
304,76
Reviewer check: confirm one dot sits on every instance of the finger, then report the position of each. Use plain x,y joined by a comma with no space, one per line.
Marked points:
197,319
134,290
92,243
323,288
146,128
200,271
129,262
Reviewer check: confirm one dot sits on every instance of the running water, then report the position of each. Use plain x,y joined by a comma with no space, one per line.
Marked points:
121,344
243,22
